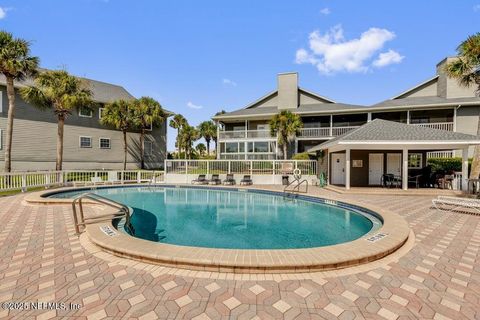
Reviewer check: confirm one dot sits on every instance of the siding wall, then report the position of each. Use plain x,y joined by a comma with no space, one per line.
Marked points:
34,141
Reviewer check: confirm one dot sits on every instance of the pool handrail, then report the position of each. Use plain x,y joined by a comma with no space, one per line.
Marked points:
123,210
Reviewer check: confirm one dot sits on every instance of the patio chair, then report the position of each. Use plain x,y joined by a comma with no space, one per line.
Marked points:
457,204
215,180
229,180
387,180
415,180
200,180
247,180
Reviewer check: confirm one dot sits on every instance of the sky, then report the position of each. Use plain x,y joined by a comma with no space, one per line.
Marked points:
199,57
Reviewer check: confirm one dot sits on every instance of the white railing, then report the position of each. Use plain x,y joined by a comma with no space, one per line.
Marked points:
35,179
240,134
448,126
258,134
440,154
253,167
338,131
232,134
314,132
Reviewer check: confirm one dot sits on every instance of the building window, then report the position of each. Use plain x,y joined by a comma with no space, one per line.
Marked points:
150,127
231,147
100,113
261,146
85,112
250,147
105,143
147,148
85,142
241,147
414,160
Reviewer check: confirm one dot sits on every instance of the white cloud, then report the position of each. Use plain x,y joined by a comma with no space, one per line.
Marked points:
325,11
229,82
331,52
476,7
193,106
386,58
3,13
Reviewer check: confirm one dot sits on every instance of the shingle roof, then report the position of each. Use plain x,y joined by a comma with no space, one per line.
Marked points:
102,91
302,109
389,131
423,101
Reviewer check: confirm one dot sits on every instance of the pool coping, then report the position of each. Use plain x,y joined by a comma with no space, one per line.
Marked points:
333,257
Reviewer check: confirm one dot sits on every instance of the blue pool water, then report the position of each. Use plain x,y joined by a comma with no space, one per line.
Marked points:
235,219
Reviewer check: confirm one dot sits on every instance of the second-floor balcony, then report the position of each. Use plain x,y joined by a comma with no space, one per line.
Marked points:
317,133
244,134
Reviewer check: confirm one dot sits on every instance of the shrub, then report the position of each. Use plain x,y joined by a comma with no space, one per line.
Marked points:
301,156
447,164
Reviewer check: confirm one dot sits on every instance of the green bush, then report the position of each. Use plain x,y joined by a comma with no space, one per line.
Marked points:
301,156
447,164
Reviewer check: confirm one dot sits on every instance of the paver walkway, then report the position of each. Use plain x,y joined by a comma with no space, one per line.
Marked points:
42,260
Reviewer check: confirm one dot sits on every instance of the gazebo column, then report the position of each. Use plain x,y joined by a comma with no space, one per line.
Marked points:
405,169
465,169
347,169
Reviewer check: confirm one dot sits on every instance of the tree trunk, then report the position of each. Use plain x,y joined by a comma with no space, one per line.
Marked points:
142,149
11,116
475,170
208,146
60,125
178,143
285,151
125,150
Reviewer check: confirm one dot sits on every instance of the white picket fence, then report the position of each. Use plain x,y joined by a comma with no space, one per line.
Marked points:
261,171
35,179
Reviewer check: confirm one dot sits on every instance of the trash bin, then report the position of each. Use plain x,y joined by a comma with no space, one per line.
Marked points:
285,180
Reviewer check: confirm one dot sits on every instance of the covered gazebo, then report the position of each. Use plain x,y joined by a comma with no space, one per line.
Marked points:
364,155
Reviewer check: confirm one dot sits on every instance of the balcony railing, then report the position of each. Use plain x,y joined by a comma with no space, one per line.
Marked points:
448,126
324,132
241,134
321,132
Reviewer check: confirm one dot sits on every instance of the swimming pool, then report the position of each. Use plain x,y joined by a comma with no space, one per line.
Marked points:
237,219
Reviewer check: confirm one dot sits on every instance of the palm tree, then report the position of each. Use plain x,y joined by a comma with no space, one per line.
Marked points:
208,130
188,135
16,64
285,126
466,69
147,114
119,115
201,149
177,122
62,92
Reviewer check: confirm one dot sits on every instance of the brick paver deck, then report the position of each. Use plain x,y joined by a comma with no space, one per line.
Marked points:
42,260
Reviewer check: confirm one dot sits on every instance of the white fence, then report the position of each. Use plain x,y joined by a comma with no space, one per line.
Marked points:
35,179
440,154
261,171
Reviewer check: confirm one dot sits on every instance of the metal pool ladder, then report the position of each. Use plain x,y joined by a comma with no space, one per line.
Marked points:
295,190
80,220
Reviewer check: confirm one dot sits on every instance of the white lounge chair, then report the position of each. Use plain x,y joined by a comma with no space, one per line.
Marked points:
457,204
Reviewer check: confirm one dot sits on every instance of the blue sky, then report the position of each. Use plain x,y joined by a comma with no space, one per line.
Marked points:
198,57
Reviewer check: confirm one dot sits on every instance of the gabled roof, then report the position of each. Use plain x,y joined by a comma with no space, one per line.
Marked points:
328,100
102,91
383,131
431,80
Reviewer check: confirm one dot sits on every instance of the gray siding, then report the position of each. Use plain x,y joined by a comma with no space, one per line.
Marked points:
34,141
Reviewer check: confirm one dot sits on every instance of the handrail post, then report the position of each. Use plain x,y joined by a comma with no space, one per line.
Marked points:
139,176
24,182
